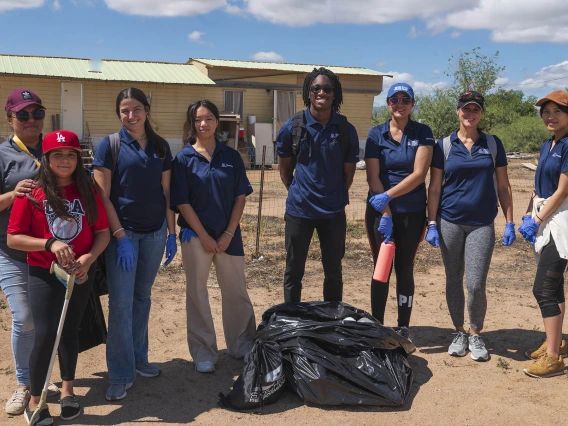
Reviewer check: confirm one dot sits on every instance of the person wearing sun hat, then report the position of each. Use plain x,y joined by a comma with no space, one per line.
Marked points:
545,225
61,220
468,179
19,160
398,154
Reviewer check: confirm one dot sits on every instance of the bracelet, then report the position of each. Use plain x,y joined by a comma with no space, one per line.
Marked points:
49,243
117,231
538,217
228,233
432,222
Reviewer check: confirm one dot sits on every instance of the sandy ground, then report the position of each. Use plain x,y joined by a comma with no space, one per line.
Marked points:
447,390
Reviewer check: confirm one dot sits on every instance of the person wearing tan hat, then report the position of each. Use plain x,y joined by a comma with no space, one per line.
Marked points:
62,220
545,225
19,162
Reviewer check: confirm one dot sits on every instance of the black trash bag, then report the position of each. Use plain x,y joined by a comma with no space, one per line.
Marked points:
262,381
336,354
100,283
92,331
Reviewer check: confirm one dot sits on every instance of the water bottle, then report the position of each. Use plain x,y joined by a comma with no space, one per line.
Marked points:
384,262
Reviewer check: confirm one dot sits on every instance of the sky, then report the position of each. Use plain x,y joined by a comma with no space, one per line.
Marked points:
410,39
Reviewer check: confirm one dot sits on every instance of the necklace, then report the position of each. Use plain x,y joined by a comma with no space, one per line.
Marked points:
141,137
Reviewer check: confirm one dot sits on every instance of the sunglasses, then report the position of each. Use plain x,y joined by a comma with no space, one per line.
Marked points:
404,101
23,116
468,97
316,89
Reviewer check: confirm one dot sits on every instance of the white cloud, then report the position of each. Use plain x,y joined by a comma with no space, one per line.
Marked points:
419,87
552,77
165,7
6,5
267,57
455,34
413,33
435,72
56,5
196,36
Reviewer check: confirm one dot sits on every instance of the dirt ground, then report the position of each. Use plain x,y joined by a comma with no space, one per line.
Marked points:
447,390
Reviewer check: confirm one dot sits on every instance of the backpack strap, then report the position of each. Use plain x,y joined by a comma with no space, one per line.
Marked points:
446,147
298,130
114,149
343,135
492,145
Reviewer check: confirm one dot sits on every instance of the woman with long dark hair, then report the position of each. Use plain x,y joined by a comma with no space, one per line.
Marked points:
133,168
62,220
209,187
545,225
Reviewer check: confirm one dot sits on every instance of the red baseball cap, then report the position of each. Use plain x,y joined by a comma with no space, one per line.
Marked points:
20,98
60,139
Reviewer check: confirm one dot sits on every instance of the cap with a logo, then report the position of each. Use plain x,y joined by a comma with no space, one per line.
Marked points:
18,99
559,97
401,87
60,139
471,97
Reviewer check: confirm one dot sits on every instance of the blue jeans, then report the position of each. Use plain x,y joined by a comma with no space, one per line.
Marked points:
129,304
14,284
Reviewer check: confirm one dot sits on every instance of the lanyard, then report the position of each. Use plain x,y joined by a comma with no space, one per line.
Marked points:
25,149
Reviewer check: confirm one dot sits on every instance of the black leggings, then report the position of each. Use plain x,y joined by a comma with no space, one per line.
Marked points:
46,295
408,231
548,286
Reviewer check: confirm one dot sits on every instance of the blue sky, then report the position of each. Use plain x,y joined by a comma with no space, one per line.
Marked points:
411,39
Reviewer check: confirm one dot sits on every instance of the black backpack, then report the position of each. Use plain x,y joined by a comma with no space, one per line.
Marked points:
300,134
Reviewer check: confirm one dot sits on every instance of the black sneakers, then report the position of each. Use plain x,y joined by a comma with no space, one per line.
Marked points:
70,407
43,419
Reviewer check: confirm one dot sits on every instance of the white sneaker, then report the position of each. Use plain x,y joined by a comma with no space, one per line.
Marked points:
477,348
52,390
205,367
459,344
18,402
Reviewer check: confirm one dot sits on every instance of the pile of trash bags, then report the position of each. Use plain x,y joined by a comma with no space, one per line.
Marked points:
328,353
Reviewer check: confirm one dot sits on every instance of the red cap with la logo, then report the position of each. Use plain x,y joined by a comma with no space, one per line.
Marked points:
60,139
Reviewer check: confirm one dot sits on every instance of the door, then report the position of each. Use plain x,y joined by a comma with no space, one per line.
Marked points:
284,108
72,107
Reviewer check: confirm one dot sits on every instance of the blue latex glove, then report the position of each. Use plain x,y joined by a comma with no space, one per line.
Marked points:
509,236
187,234
526,221
171,249
380,201
125,254
529,230
432,236
385,227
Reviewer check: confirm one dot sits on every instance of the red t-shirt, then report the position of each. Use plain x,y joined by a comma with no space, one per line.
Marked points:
37,222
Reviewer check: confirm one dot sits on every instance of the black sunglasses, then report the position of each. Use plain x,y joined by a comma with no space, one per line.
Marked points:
23,116
316,89
404,101
467,97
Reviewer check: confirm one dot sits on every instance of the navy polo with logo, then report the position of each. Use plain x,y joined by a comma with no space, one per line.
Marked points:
396,161
318,190
210,188
551,164
468,193
136,186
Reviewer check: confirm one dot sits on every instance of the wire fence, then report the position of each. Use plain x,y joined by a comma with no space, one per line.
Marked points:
270,230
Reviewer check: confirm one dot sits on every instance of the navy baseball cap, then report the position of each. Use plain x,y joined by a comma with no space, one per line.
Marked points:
401,87
471,97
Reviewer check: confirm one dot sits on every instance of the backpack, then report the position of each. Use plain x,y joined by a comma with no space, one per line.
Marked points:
300,134
491,144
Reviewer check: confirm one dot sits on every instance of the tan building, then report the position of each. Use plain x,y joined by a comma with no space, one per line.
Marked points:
80,95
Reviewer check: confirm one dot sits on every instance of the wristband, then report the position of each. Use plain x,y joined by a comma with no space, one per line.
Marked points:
538,217
432,222
228,233
117,231
49,243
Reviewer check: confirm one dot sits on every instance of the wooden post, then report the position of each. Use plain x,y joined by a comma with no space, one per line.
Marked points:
257,254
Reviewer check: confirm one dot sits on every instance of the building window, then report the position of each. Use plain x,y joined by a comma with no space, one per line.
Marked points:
234,101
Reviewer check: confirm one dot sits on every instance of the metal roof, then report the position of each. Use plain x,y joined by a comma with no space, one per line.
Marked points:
280,66
108,70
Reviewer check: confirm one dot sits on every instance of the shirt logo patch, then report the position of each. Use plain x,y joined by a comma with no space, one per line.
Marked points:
66,230
413,143
156,156
334,137
556,155
484,151
226,165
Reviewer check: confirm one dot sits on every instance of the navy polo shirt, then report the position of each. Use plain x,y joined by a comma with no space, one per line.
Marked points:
468,193
318,190
136,186
551,164
396,161
210,188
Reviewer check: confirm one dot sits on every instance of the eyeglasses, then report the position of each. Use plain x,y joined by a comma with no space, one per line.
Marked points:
23,116
468,97
316,89
405,101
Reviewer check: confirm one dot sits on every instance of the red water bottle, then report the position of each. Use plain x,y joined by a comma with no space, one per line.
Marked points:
384,262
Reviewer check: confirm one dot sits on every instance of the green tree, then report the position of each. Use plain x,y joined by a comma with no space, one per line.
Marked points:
380,115
504,107
474,71
525,134
438,111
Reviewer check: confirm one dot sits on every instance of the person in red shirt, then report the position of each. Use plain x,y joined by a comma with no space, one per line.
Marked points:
62,220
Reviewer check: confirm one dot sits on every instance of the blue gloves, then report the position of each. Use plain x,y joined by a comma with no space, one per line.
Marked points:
171,249
509,236
385,227
379,201
432,236
125,256
528,228
186,234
